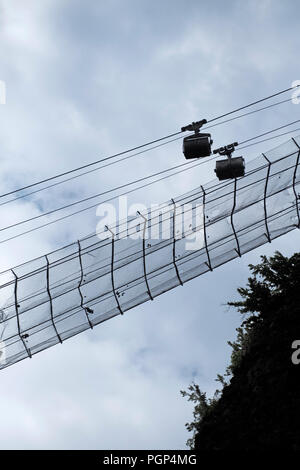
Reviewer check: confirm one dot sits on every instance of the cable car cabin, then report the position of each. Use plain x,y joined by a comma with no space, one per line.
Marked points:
197,146
230,168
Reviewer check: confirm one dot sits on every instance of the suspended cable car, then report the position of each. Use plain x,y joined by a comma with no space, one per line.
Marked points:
230,167
197,145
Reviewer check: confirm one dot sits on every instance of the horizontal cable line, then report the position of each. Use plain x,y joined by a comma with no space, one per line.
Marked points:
85,173
101,202
103,193
45,180
253,103
240,148
137,153
219,184
269,138
248,113
86,166
268,132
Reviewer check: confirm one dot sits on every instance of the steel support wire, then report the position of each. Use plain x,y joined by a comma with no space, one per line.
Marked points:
144,253
112,269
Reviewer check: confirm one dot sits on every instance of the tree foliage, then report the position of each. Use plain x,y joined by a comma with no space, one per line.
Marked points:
258,406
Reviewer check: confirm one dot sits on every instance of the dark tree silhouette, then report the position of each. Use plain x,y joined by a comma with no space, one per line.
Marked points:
258,407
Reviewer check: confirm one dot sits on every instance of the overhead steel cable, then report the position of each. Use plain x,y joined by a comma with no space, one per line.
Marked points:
269,138
126,185
137,153
102,202
103,193
86,173
277,103
88,165
254,103
268,132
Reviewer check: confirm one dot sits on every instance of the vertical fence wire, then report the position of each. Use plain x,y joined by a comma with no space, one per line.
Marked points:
50,299
204,230
174,243
80,284
144,255
112,268
21,336
294,183
231,219
265,199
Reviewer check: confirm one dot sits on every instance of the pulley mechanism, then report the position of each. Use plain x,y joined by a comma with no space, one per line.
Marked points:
197,145
230,167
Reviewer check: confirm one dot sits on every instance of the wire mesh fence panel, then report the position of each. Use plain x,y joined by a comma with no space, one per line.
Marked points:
56,296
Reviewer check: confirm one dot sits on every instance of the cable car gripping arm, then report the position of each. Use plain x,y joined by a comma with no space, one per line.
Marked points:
226,150
195,126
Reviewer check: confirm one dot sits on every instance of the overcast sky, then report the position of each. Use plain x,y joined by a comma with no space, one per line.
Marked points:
85,79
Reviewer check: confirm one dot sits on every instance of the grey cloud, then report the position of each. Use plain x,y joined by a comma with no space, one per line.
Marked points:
86,79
